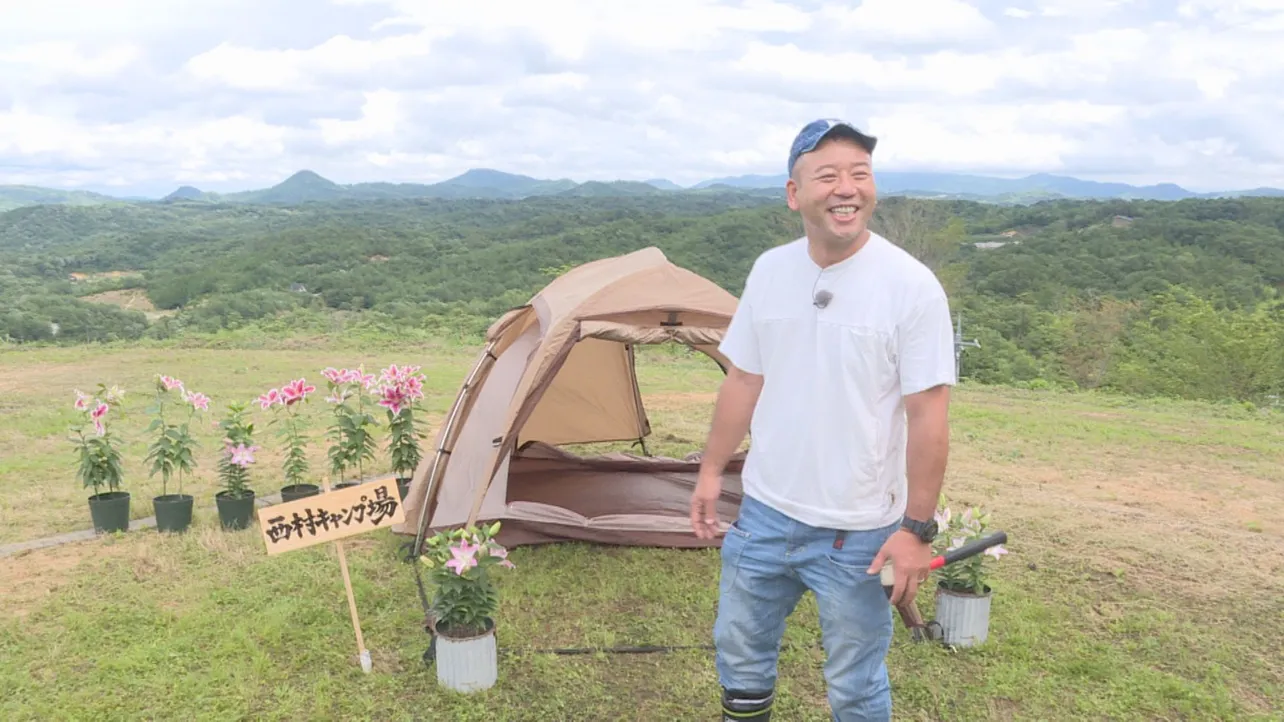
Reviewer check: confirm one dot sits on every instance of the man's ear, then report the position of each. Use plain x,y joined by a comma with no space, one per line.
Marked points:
791,194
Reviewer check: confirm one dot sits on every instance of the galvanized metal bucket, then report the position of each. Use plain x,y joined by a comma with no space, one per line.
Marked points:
468,664
964,617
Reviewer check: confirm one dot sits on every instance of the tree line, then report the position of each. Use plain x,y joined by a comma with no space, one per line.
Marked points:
1145,297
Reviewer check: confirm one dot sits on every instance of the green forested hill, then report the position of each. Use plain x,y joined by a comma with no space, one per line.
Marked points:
1146,296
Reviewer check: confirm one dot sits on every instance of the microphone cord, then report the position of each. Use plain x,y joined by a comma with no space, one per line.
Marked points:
821,299
431,653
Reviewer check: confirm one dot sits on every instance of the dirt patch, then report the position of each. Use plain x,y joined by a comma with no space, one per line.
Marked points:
1210,537
679,401
130,299
32,577
108,275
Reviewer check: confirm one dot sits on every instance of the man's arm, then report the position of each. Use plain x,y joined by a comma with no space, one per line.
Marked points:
927,370
733,412
926,365
732,415
927,449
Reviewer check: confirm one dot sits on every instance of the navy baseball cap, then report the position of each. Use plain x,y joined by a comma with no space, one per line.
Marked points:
817,130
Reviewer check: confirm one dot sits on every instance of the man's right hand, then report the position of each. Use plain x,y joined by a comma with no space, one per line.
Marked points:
731,417
704,506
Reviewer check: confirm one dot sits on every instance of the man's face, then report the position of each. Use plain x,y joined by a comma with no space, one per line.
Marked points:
833,189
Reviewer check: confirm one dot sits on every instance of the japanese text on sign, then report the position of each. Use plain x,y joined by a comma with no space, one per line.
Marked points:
329,516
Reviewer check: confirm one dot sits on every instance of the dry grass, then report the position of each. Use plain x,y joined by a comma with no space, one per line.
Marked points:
133,299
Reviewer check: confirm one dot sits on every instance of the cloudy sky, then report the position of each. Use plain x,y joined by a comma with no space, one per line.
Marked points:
140,96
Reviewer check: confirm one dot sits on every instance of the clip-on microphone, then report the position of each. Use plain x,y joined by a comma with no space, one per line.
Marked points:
822,298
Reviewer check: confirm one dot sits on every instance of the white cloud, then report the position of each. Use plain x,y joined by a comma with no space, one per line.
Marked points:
1079,8
571,27
146,95
970,138
306,70
380,115
49,62
909,21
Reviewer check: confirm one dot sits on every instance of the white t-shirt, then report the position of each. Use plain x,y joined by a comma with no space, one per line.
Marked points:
827,440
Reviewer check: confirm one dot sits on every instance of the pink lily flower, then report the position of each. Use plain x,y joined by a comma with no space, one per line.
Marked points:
271,397
393,398
97,415
242,455
463,558
296,391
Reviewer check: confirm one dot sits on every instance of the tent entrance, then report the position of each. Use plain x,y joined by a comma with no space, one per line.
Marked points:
552,493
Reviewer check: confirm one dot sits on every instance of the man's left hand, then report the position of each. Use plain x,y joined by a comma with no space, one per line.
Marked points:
910,558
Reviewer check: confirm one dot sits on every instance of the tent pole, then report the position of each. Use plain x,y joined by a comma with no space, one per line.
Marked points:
644,425
447,431
507,441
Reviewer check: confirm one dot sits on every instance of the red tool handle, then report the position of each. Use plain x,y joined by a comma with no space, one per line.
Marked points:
970,549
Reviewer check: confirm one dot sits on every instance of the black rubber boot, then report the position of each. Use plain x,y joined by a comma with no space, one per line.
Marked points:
739,705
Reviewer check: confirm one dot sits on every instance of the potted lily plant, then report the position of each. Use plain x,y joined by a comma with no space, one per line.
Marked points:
465,603
98,455
287,401
172,453
352,438
236,500
400,390
963,590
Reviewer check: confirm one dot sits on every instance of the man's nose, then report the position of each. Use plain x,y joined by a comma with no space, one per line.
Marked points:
847,186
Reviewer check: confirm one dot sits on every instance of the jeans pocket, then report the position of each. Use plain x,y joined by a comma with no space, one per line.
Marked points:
737,528
732,548
850,562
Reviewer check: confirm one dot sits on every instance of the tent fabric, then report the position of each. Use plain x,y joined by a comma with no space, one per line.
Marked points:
556,496
561,370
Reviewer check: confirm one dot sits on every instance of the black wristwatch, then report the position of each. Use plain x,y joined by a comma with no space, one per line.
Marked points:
924,530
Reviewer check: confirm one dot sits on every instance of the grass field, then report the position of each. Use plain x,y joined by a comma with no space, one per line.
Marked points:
1146,579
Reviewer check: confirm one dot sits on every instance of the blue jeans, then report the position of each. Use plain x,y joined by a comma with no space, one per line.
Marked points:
768,561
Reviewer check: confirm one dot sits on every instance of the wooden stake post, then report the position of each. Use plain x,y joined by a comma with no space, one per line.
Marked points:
330,517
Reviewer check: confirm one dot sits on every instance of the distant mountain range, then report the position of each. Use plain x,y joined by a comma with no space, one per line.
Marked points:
306,186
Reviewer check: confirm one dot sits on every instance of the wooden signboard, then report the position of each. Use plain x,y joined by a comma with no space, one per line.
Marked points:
331,516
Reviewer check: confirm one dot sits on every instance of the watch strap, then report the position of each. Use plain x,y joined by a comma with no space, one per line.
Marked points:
924,530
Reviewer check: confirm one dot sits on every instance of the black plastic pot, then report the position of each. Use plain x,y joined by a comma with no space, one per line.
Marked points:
344,485
235,512
299,491
173,512
110,511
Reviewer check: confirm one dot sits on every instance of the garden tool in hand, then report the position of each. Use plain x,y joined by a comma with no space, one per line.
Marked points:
910,616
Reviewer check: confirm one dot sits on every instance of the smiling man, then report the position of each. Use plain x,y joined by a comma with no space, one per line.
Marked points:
842,359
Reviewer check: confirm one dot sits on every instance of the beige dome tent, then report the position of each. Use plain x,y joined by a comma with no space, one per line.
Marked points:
560,370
